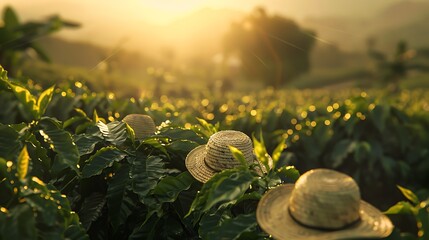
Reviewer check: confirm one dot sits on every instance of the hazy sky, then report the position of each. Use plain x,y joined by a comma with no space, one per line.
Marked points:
139,22
164,11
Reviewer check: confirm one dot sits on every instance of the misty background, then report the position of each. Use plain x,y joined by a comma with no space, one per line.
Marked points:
155,45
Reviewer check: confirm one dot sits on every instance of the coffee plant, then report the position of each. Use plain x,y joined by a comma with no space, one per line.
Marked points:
70,168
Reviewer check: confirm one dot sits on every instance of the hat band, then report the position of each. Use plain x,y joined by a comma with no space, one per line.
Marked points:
323,228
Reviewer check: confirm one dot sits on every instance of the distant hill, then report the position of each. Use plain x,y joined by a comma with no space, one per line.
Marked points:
87,55
405,20
72,53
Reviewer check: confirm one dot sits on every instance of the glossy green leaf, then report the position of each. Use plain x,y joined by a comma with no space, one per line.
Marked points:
155,143
278,151
409,195
38,153
146,173
181,147
44,99
86,143
26,99
225,187
9,142
114,132
261,152
118,203
229,188
91,209
233,228
289,174
401,208
170,187
61,142
207,129
101,160
23,162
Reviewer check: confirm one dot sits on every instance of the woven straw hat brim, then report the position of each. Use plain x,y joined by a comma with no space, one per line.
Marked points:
197,167
273,216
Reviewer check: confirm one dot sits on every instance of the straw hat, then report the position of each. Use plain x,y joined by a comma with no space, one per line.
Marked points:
323,204
206,160
142,125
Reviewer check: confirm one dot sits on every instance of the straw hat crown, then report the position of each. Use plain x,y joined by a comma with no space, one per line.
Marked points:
322,205
325,199
143,125
218,155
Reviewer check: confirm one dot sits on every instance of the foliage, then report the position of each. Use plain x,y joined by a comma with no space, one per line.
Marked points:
271,48
70,144
415,207
16,37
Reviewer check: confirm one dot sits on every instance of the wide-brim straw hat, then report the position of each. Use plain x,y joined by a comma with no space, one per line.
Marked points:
143,125
206,160
323,204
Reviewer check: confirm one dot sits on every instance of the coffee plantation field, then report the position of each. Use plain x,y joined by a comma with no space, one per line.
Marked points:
71,169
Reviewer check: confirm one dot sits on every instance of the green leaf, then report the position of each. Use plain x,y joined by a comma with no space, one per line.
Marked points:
278,151
233,228
44,99
114,132
209,223
181,147
61,142
228,189
409,195
131,132
86,143
145,174
289,174
182,134
101,160
169,188
225,187
39,155
401,208
3,74
261,152
9,142
238,155
40,52
75,232
91,209
155,143
340,152
10,19
95,117
207,128
120,206
26,99
23,161
379,115
20,223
